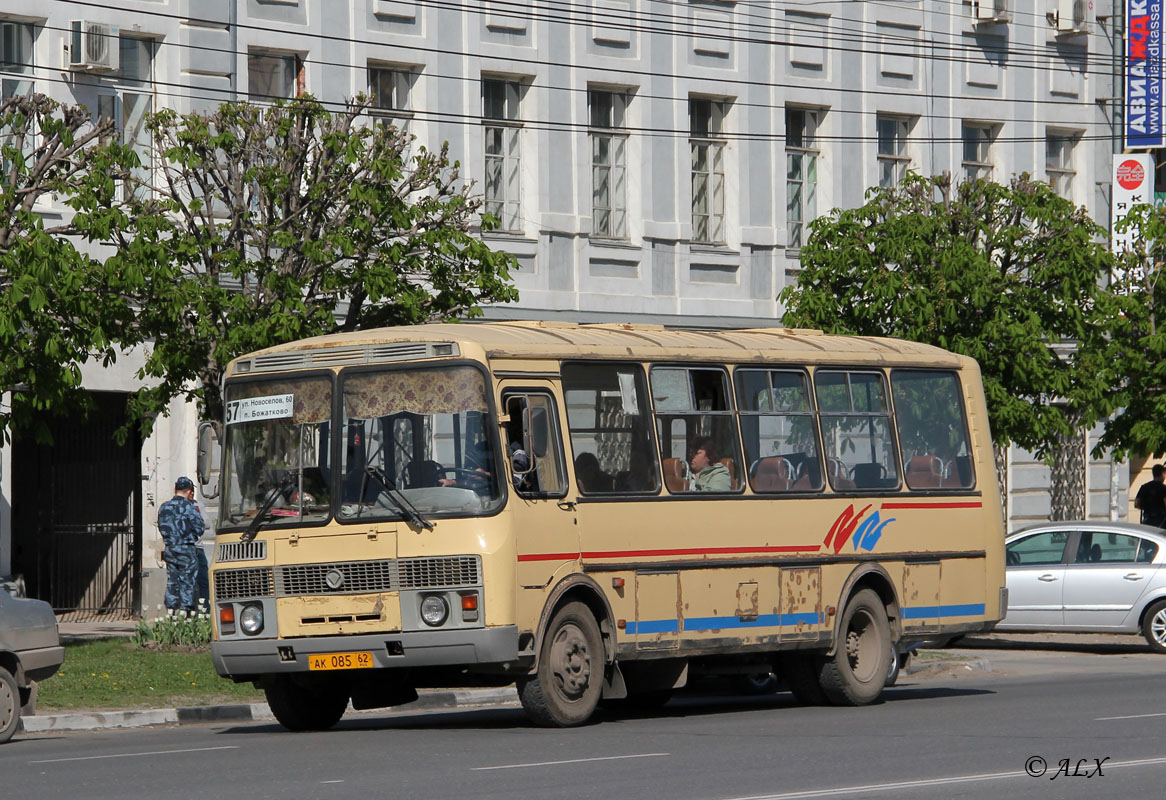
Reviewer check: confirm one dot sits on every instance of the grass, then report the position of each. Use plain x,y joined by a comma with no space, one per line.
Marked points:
110,674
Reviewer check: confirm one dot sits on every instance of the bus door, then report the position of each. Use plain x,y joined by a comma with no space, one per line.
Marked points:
543,522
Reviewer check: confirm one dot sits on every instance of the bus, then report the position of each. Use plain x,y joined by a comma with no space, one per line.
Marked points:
595,512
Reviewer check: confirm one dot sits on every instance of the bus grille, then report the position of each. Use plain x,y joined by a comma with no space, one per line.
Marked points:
242,551
356,577
242,583
433,573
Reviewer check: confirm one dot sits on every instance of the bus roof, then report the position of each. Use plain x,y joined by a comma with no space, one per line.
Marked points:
561,340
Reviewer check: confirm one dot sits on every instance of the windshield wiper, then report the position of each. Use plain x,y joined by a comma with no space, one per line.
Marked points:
257,522
407,509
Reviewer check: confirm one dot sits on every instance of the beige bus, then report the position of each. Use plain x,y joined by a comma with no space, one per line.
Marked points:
595,512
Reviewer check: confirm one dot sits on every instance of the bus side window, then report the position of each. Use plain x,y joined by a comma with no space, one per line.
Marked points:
534,447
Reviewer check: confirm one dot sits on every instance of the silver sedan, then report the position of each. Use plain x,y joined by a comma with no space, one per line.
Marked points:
1088,577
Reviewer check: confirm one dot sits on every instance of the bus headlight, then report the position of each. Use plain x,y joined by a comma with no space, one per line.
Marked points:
251,619
434,610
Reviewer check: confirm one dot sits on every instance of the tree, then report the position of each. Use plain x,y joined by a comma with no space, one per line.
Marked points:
265,224
1139,338
56,310
1010,275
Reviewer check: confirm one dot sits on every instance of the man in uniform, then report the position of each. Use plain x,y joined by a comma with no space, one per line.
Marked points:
182,527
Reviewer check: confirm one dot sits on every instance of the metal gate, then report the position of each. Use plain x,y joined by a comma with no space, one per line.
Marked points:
76,513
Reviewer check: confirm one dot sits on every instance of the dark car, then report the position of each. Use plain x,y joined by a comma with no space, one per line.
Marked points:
30,650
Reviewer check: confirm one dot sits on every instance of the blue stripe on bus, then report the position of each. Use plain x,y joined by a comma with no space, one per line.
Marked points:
966,610
718,623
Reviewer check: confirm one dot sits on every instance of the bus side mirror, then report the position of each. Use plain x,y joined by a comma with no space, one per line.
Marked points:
539,432
209,434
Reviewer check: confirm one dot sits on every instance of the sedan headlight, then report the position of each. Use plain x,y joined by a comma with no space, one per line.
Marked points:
251,619
434,610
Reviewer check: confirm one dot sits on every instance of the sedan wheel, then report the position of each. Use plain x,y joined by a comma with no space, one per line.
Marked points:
1154,627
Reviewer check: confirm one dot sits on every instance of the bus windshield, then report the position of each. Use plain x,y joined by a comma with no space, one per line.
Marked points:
276,449
417,435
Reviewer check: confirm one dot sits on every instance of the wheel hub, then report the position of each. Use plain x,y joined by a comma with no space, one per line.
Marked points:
8,705
571,661
1158,627
859,641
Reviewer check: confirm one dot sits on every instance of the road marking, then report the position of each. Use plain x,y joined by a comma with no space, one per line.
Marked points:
921,784
135,755
331,781
1133,716
571,761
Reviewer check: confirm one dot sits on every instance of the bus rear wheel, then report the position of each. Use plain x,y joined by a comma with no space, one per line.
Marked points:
301,704
566,687
857,672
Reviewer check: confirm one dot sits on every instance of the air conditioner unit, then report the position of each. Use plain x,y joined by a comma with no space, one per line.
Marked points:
1074,16
990,11
94,46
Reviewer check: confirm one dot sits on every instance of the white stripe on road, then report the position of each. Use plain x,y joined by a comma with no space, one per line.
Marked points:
135,755
572,761
1133,716
922,784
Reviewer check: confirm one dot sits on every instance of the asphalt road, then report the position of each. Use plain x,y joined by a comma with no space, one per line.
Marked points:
951,732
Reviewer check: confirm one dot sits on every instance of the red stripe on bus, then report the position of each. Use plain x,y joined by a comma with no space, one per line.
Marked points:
548,557
969,504
798,548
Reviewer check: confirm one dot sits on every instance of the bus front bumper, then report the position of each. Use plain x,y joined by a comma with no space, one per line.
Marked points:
254,657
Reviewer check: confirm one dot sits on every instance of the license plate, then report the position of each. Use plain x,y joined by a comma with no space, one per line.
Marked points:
340,661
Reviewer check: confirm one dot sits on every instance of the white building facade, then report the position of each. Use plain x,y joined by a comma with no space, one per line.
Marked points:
649,160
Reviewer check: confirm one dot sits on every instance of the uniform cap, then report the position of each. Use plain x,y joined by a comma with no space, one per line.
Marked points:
183,483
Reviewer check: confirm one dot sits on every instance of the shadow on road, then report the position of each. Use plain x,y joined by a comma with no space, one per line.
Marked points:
1057,643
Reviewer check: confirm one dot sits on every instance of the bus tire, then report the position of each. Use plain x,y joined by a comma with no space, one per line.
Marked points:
302,705
569,681
800,671
857,672
1154,627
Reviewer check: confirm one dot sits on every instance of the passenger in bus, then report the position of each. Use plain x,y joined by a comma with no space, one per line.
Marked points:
589,475
638,476
710,474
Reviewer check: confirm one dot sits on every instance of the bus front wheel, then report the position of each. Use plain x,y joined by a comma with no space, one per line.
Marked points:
857,672
305,705
566,687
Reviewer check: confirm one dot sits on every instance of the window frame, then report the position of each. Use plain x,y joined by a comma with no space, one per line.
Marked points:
981,166
806,155
811,413
560,461
503,198
955,374
730,413
892,443
898,161
402,79
1063,174
707,170
614,131
297,74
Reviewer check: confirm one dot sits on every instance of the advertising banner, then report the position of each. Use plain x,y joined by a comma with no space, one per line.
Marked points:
1144,72
1133,185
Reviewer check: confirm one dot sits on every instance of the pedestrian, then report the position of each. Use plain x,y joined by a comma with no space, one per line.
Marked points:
181,526
1151,498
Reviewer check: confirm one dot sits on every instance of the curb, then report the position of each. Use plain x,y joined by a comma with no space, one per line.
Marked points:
246,712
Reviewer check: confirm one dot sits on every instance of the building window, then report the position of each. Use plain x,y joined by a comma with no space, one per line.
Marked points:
706,125
609,147
801,172
501,127
1059,162
977,151
272,76
136,60
389,87
16,47
893,158
129,107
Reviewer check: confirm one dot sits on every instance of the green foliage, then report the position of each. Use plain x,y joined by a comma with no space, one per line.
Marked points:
175,629
58,307
1139,338
273,223
115,673
1010,275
